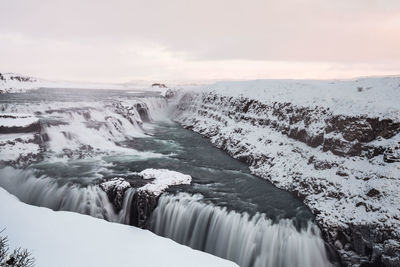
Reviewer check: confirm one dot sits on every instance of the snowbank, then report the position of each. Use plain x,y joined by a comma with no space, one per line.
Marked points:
163,178
71,239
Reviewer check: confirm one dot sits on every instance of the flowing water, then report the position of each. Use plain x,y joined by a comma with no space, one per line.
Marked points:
89,136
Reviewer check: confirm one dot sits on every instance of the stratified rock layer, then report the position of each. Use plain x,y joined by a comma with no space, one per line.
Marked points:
345,168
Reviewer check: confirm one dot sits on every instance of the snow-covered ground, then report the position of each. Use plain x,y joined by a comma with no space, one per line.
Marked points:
336,144
71,239
163,179
333,143
16,83
372,96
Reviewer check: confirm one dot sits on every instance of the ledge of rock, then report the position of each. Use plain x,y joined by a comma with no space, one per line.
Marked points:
345,167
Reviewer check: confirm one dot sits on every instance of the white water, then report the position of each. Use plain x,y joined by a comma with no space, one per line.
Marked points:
46,192
83,129
250,242
100,127
125,213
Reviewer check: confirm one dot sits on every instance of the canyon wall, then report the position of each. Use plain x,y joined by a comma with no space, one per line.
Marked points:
344,167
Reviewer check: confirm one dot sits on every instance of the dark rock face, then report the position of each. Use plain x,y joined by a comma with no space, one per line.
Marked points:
136,204
142,205
392,154
309,144
129,112
342,135
19,139
369,246
115,189
34,127
170,93
161,85
143,111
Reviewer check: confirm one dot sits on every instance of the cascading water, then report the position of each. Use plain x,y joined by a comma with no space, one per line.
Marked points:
83,143
249,241
61,196
47,192
125,213
71,132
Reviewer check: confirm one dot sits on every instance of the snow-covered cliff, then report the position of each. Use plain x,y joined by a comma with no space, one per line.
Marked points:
335,144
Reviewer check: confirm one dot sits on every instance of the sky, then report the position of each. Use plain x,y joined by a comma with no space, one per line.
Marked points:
125,40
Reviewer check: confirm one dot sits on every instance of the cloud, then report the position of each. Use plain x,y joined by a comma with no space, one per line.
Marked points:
119,39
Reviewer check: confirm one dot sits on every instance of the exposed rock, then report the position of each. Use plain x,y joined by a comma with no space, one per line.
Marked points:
161,85
373,193
142,205
16,123
335,163
392,154
143,111
170,93
144,190
115,189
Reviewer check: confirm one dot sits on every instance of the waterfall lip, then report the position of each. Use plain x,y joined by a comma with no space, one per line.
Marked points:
119,121
84,128
188,197
254,241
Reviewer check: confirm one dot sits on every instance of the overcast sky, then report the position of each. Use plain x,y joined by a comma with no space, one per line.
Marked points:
123,40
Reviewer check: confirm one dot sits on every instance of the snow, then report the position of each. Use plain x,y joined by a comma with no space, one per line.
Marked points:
71,239
16,120
163,178
97,126
11,152
372,96
14,146
16,83
118,183
336,188
288,165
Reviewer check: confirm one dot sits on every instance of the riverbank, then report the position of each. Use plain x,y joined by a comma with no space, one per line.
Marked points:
334,144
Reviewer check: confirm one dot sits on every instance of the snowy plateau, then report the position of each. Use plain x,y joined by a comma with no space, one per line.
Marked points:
333,144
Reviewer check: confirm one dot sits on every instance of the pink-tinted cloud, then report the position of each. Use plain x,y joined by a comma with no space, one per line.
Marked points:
117,39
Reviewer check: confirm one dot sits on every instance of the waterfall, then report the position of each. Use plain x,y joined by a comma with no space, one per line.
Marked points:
125,213
91,200
47,192
88,128
249,241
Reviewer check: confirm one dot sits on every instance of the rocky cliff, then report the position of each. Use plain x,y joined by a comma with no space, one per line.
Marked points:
344,165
